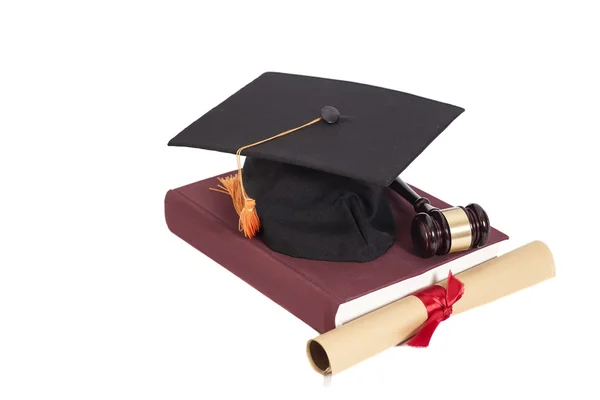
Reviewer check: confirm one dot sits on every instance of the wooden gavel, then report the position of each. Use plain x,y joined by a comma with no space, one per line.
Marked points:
439,232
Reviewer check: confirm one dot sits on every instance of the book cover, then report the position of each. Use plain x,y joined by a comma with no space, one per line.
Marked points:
311,290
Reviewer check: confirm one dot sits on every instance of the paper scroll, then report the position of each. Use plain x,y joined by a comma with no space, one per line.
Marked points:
366,336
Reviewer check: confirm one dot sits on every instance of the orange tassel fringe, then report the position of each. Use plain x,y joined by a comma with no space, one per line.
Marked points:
244,206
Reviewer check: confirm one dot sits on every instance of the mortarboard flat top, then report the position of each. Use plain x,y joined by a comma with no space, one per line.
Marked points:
379,133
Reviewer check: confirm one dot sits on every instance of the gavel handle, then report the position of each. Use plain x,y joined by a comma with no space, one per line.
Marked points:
421,204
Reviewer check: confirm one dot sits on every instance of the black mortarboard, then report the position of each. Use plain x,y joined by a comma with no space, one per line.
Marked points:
319,190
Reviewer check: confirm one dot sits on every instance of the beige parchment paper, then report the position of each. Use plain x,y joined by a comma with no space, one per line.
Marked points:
366,336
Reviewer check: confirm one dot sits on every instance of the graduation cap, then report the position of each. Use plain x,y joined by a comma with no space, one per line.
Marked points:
320,154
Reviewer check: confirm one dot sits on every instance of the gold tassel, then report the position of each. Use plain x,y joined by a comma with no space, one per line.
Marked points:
233,185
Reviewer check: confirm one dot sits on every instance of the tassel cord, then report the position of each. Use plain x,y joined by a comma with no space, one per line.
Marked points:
244,205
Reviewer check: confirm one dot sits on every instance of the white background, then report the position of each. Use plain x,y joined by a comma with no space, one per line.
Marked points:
99,300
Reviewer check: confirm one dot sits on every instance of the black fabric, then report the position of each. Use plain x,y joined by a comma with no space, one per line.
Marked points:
379,134
316,215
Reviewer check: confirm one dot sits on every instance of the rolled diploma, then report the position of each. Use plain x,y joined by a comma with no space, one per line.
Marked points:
366,336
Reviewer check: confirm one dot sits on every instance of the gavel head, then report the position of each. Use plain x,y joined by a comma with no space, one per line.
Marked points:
439,232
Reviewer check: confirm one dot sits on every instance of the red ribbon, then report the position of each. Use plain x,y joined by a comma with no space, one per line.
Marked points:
438,301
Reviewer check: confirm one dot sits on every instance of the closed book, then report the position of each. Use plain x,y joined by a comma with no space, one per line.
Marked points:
323,294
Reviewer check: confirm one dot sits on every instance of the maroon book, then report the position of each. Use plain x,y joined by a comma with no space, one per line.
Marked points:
314,291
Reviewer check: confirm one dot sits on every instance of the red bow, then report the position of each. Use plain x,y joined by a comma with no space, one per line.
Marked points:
438,302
